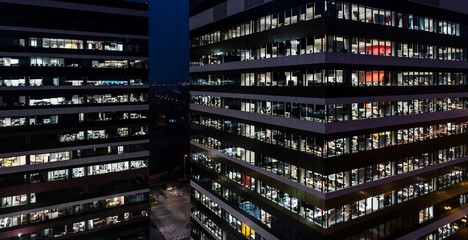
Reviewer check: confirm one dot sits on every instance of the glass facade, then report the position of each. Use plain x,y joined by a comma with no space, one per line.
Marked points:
331,77
74,147
329,120
330,8
335,44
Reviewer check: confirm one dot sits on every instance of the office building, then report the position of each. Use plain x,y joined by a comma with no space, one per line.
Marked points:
73,120
328,119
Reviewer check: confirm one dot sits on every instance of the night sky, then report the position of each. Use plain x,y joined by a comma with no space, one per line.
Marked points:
169,41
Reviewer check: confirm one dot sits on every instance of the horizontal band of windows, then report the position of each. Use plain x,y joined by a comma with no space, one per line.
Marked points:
73,148
330,58
114,200
59,61
333,112
333,185
327,218
320,77
349,145
58,83
18,164
328,43
331,127
57,228
318,9
9,125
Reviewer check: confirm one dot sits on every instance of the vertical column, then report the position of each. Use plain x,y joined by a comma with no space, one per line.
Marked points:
394,48
347,179
301,208
301,144
258,186
301,177
394,19
347,76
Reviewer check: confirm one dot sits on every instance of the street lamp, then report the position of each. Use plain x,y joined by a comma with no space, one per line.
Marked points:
185,170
